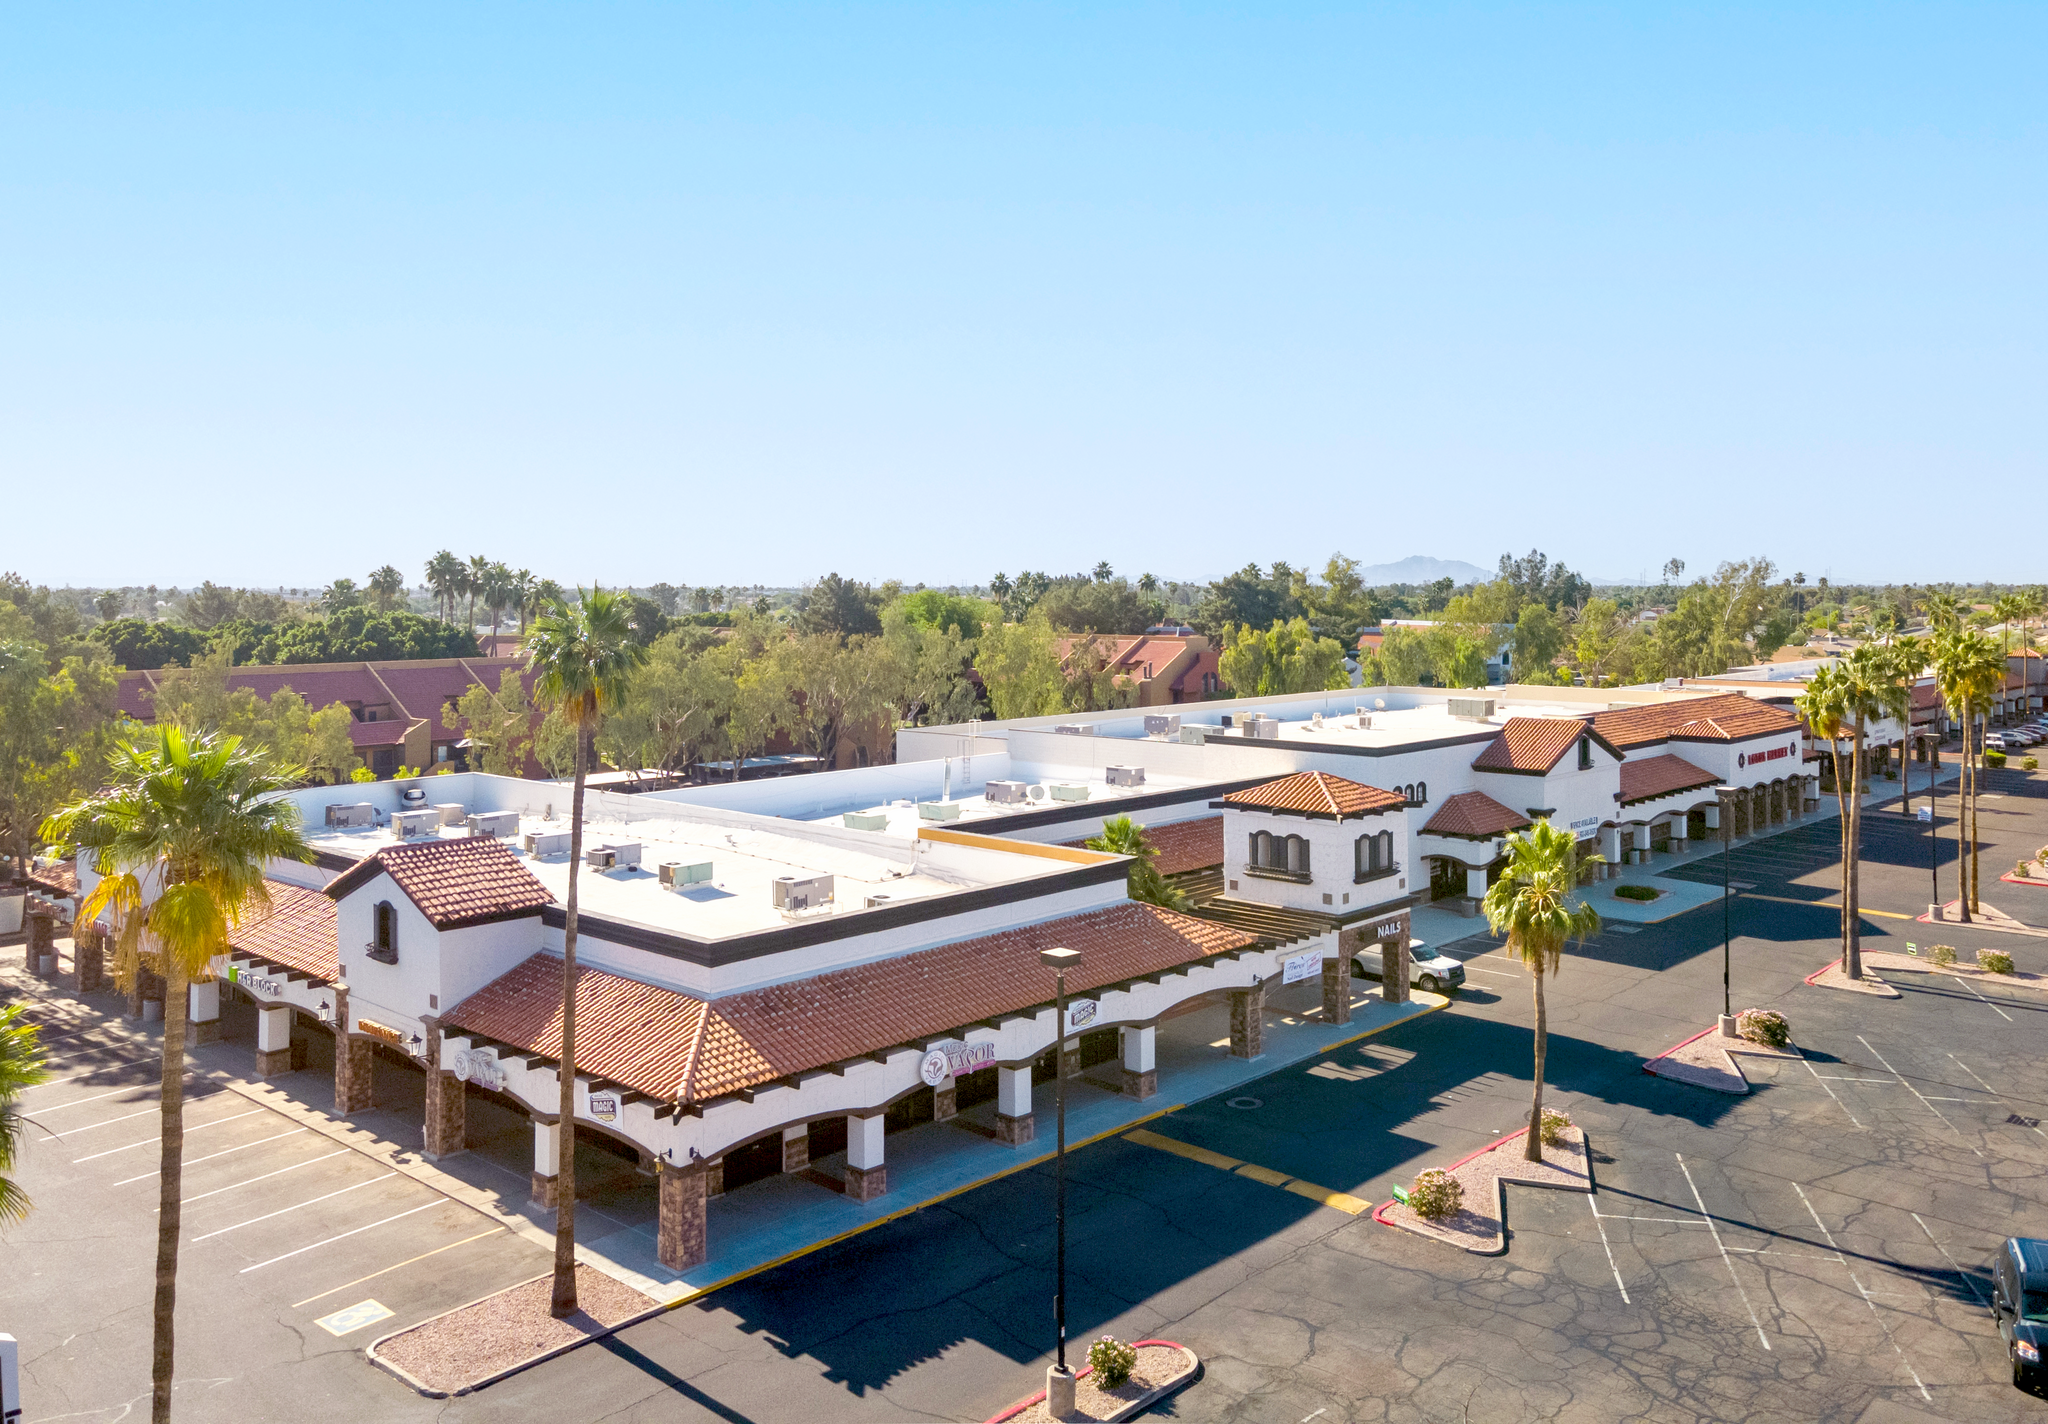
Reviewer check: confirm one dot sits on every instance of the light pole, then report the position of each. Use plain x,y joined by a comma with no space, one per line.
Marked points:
1726,795
1933,826
1059,1380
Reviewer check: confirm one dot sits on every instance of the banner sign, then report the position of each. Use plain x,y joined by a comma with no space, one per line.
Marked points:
1302,966
1082,1014
480,1068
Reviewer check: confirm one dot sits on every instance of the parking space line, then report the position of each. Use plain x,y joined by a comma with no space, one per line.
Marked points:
81,1102
251,1181
1991,1090
195,1161
130,1117
1341,1201
196,1127
1726,1259
1980,998
1918,1094
345,1285
444,1201
120,1063
1830,1091
1877,1314
281,1211
1619,1284
1968,1280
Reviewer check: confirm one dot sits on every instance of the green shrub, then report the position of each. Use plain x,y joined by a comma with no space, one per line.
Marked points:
2021,869
1554,1125
2041,854
1113,1361
1994,757
2030,763
1436,1194
1994,961
362,773
1942,954
1765,1026
1634,892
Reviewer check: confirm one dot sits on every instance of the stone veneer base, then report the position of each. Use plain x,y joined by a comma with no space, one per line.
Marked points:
866,1183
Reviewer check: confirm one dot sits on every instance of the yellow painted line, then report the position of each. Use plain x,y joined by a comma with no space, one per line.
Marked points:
1184,1149
1322,1196
1264,1174
1342,1201
1072,854
1828,905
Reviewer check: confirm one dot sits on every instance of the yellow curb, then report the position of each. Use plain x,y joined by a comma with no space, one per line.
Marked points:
1341,1201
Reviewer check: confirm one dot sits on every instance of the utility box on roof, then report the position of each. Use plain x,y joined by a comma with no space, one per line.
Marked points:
866,820
678,875
938,810
1476,708
406,824
1124,775
613,857
1067,790
1075,729
1163,728
1007,793
452,813
362,813
503,824
794,894
540,844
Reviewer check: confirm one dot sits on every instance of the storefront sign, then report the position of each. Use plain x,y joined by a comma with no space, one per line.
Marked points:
255,983
482,1069
1391,929
604,1106
952,1058
383,1031
1774,754
1082,1014
1584,825
1306,965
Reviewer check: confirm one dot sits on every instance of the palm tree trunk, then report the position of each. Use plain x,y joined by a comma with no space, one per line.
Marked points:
564,1300
1842,827
170,1193
1975,908
1532,1150
1852,924
1962,819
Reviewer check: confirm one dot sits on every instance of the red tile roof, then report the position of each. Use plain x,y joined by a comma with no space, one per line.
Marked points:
471,881
388,732
1736,724
668,1044
1318,794
58,879
1205,662
1474,814
1652,777
1531,744
1630,727
296,931
1182,846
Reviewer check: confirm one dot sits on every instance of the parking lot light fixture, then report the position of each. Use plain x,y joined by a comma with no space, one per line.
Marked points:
1059,1380
1726,795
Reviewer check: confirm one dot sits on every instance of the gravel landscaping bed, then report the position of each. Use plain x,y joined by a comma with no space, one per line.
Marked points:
1921,964
1485,1176
1161,1368
479,1341
1706,1061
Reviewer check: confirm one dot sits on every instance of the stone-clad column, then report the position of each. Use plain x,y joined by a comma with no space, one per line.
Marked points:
1248,1022
867,1176
1140,1068
273,1040
1014,1123
1394,967
447,1125
547,1161
89,956
203,1010
1337,978
682,1236
796,1147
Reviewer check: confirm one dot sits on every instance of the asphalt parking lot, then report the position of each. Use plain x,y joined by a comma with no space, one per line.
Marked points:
1814,1251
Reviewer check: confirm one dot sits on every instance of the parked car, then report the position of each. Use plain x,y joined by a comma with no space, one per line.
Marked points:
2026,736
1994,742
1428,970
2019,1303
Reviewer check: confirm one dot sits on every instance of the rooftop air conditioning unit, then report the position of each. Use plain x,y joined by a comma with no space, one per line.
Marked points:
1164,729
1124,775
1038,793
938,810
540,844
1262,726
1067,790
866,820
503,824
452,813
407,824
680,876
1006,793
362,813
1478,708
794,894
613,857
875,902
1195,736
1075,729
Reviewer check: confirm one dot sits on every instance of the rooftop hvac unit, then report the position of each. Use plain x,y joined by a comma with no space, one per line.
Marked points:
1475,707
362,813
1164,728
613,857
1075,729
452,813
1261,726
1195,736
503,824
678,876
1006,793
866,820
874,902
540,844
793,894
415,823
1067,790
1038,793
1124,775
938,810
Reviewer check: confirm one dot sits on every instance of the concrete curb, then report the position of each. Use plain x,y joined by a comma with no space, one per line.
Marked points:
1137,1406
1728,1051
1500,1192
1869,984
421,1387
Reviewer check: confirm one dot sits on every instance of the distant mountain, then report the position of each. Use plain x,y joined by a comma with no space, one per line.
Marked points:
1419,568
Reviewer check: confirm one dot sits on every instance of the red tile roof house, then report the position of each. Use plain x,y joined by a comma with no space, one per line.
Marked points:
397,705
1162,669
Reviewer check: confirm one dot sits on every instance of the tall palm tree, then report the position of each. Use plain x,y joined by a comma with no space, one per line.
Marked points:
1873,689
386,585
1967,668
444,576
584,658
501,589
21,1067
1825,708
476,580
1532,904
179,836
525,588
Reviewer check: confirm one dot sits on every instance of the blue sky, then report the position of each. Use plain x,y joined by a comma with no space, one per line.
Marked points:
723,294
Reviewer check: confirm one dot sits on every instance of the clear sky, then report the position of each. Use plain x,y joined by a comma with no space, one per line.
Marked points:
743,294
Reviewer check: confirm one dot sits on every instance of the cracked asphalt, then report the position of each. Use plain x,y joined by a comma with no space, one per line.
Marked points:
1817,1250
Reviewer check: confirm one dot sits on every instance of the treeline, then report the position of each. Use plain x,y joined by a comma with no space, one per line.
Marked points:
352,635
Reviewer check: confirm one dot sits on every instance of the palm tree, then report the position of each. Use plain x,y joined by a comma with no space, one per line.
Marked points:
1532,904
501,589
525,588
1825,708
386,585
444,576
476,576
584,658
1123,836
1873,687
191,818
1967,670
21,1067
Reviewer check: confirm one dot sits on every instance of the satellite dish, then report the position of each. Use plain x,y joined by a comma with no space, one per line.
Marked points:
1038,793
1379,704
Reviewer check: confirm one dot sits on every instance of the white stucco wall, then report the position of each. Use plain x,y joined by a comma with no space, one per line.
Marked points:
1331,860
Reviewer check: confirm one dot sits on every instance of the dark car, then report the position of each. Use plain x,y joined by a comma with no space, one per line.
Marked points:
2019,1303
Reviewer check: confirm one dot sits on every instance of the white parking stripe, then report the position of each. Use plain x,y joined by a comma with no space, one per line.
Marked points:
196,1127
81,1102
121,1063
130,1117
1968,1280
1608,1249
1830,1091
1882,1323
1989,1089
195,1161
344,1236
1726,1259
1916,1093
264,1178
281,1211
1981,999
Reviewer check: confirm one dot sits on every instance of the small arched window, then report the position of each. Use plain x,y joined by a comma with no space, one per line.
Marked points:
1422,793
1262,848
1297,854
384,932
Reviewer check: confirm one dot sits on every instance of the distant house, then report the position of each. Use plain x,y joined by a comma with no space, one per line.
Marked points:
1163,668
396,705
